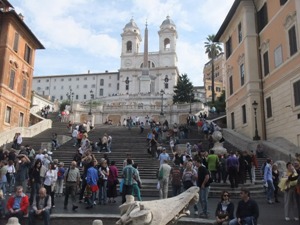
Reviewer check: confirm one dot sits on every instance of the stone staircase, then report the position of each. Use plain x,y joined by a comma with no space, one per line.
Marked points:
130,141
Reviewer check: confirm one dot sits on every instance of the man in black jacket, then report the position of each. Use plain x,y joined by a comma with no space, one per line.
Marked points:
247,211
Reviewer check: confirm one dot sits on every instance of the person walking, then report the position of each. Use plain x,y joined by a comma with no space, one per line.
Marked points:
163,177
203,183
128,174
91,184
72,180
50,182
233,165
269,181
112,182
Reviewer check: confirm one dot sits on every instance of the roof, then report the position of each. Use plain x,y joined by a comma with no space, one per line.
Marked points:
20,21
131,25
227,20
168,22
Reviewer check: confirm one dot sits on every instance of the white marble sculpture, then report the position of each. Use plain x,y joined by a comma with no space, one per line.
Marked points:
218,146
157,212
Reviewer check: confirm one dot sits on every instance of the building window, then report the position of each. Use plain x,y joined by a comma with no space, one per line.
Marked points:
127,84
118,86
7,114
21,119
24,88
94,78
101,92
228,48
242,74
218,89
101,82
16,42
85,86
244,114
232,121
266,63
297,92
77,78
84,96
85,78
39,81
54,88
109,85
167,44
77,86
27,54
61,97
62,79
47,80
12,79
269,107
76,97
93,86
70,79
47,88
38,88
62,88
109,77
278,56
293,40
166,80
282,2
230,85
209,88
262,17
240,33
129,46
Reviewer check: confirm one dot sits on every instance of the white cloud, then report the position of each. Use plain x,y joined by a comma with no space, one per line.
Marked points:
73,29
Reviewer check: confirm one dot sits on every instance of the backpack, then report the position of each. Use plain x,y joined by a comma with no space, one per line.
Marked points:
176,177
187,180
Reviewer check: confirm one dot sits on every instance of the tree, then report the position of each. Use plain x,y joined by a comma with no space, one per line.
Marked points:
183,91
213,49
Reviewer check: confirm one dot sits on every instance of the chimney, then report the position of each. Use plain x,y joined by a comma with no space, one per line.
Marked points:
21,16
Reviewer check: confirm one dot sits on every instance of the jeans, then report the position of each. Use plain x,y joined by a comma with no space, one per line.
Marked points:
270,190
176,190
45,214
244,221
204,199
35,187
103,192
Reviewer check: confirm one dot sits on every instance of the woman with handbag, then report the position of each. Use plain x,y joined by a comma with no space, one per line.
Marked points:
112,182
224,210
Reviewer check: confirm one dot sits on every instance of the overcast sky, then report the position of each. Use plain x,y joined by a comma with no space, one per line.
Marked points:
82,35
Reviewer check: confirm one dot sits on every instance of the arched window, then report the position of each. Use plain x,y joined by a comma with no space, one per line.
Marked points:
167,43
127,84
150,64
129,46
166,81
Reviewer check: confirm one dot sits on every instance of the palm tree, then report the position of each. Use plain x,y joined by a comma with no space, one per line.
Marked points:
213,49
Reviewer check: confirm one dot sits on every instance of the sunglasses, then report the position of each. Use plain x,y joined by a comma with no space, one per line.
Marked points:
225,195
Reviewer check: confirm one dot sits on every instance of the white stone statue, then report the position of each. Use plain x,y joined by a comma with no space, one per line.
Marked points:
158,212
218,146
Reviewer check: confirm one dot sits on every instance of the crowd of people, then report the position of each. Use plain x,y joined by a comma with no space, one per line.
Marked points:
96,181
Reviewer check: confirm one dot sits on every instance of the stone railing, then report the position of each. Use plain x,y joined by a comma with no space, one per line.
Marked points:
43,124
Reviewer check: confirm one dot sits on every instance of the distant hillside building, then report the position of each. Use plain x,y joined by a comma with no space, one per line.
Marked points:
262,51
219,63
17,54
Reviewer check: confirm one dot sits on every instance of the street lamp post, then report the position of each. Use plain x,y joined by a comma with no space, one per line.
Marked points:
72,97
92,96
162,102
190,104
256,137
